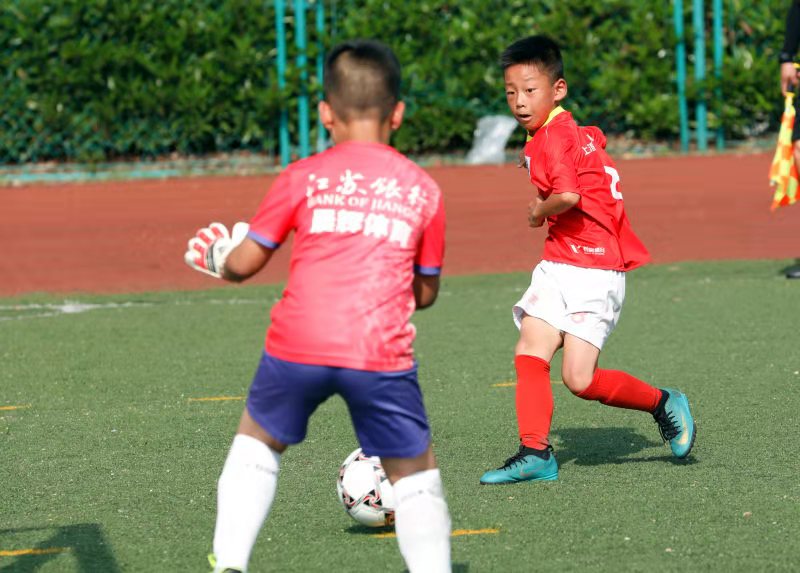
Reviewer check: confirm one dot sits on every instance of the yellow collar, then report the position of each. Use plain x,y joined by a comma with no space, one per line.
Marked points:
550,117
553,113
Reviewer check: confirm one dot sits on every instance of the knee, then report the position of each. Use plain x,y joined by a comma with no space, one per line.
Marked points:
524,347
538,339
399,468
249,427
577,380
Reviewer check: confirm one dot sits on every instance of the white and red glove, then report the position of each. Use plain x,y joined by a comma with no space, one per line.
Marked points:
208,249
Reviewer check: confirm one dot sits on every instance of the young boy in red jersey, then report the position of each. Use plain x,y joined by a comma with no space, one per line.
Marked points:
368,248
577,290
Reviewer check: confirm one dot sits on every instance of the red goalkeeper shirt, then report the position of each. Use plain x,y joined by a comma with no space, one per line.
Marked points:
365,220
565,157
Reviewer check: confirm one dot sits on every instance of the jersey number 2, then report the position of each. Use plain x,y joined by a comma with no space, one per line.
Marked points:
615,193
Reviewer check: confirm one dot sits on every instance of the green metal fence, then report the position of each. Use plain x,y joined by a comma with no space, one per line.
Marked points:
301,9
97,80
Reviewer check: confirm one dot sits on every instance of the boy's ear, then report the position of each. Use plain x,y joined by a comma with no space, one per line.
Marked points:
325,114
560,89
396,118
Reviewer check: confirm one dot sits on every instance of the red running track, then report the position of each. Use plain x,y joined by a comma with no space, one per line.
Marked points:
130,236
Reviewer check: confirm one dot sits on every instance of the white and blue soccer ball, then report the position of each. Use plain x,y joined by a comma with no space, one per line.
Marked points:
365,491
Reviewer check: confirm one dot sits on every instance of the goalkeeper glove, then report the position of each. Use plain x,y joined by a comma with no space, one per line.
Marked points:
209,248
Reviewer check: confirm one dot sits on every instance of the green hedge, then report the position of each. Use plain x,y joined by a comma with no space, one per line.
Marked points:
619,60
91,80
96,79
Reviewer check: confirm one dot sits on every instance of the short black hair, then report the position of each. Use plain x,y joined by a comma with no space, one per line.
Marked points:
539,51
362,78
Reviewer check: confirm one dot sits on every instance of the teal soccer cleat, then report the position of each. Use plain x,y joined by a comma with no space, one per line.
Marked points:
675,422
523,466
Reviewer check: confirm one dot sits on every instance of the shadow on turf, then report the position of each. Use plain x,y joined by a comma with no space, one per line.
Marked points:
794,268
601,446
87,547
364,530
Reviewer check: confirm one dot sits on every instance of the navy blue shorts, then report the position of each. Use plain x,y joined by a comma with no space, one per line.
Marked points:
386,407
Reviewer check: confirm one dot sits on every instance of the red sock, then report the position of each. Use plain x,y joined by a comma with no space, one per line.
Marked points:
534,401
621,390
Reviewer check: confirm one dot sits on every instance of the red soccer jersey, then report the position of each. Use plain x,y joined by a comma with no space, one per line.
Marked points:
365,218
595,233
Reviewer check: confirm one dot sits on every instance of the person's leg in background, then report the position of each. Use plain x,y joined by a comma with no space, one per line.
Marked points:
793,272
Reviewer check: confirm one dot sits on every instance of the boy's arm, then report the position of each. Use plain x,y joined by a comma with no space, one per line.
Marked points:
426,289
557,203
562,179
238,255
428,262
245,260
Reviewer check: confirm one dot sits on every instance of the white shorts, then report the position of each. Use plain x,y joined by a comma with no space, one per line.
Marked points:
583,302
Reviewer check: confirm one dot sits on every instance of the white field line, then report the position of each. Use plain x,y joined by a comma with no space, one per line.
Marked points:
71,307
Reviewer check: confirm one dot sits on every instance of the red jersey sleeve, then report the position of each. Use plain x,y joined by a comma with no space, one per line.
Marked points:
560,166
430,252
275,216
595,135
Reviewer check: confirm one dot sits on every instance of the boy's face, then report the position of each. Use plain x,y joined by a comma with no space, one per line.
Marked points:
531,95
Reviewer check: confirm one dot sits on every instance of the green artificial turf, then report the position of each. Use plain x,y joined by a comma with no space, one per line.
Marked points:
108,458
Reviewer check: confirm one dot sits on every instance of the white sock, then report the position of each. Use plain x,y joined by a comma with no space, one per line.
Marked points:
245,492
422,522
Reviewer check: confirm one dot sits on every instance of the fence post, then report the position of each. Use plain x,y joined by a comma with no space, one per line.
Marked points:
698,21
718,54
283,128
302,60
680,63
322,140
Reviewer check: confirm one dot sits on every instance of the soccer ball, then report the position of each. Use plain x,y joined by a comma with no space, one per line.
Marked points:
365,491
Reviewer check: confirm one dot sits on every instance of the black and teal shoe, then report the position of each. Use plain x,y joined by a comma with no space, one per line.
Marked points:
526,465
675,422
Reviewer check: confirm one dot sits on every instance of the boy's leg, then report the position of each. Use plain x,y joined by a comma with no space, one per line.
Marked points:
538,342
610,387
390,422
282,398
245,492
422,521
669,407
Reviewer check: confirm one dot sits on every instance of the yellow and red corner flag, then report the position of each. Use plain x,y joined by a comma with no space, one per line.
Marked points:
783,172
